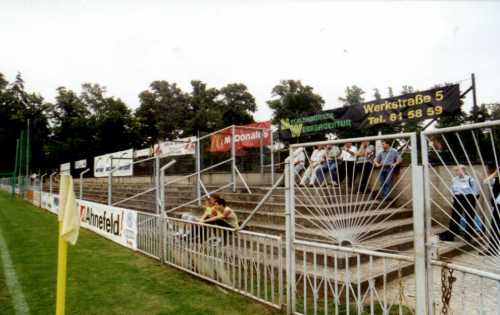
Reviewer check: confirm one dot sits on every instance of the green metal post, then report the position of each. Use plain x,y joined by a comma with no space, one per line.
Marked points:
14,179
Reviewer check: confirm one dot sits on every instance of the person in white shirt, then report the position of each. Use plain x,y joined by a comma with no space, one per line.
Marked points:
298,160
348,156
317,158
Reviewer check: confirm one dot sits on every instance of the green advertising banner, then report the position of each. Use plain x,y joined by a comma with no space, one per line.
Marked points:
411,107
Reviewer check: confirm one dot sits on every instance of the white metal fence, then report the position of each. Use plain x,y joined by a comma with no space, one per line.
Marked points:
246,262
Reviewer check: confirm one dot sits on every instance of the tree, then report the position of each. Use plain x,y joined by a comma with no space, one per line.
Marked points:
114,126
73,135
353,96
162,112
204,114
292,100
236,104
17,107
390,92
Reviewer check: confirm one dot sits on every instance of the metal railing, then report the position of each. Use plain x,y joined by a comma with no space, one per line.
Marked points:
332,279
248,263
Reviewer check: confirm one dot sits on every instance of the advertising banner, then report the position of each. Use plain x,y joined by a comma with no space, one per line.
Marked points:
142,153
122,164
411,107
182,146
65,168
248,136
80,164
50,202
116,224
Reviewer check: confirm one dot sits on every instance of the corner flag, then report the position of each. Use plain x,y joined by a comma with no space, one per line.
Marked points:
69,217
69,225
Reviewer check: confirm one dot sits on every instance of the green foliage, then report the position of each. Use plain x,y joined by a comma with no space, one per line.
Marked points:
291,99
163,108
17,107
353,96
236,104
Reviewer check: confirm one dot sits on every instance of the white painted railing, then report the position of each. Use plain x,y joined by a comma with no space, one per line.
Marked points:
246,262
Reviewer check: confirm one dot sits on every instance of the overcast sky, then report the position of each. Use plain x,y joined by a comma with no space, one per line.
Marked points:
124,45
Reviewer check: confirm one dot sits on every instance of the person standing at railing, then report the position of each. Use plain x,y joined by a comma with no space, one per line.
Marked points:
493,180
317,158
465,191
332,153
348,157
387,160
364,164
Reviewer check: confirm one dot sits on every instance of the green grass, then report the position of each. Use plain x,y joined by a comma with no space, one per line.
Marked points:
103,277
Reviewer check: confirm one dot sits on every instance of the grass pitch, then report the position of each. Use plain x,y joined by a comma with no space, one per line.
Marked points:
103,277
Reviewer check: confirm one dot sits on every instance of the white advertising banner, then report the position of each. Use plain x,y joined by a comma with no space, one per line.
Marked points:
122,164
80,164
65,168
50,202
116,224
142,153
183,146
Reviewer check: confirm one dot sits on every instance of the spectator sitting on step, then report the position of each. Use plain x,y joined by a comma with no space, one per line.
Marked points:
222,215
209,207
315,162
332,153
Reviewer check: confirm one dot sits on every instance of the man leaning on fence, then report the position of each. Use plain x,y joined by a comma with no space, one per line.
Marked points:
387,161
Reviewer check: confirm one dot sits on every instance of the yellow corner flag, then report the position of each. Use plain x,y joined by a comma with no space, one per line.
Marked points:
69,225
69,218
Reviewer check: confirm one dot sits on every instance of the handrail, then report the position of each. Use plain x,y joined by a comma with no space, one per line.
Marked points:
262,201
147,190
162,187
243,180
486,124
201,171
215,132
201,197
341,141
81,182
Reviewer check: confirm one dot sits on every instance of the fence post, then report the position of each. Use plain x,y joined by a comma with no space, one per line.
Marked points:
418,230
110,181
427,209
41,187
272,156
157,184
261,152
233,157
198,168
81,182
290,236
50,183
